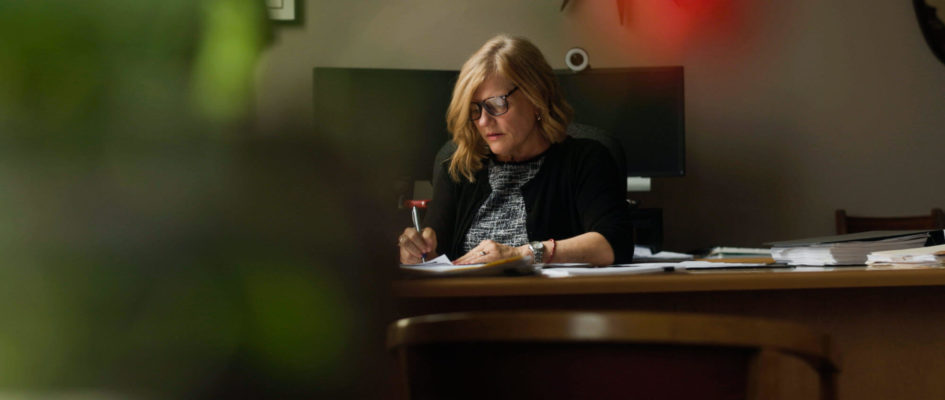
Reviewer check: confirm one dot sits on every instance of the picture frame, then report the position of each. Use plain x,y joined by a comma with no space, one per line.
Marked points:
281,10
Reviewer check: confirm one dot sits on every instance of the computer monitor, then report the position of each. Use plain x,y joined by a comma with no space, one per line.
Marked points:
644,108
401,114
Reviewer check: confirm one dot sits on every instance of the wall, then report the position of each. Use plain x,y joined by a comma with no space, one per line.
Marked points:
793,108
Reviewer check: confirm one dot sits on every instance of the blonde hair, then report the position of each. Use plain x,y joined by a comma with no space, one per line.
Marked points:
520,61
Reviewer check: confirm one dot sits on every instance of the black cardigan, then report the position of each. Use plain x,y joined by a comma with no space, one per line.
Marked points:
577,190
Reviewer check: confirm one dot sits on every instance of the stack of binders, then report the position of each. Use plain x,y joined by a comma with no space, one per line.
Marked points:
849,249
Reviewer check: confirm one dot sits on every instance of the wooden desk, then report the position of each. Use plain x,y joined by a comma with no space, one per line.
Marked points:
888,326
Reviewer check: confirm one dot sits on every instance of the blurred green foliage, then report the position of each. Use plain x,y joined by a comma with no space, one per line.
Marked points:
152,247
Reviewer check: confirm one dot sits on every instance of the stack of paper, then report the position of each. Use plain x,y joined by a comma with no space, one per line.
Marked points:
850,249
736,252
931,256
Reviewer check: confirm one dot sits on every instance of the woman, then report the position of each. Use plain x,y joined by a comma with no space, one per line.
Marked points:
517,183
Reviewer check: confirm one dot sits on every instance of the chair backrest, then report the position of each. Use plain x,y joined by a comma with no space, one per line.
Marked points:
605,138
851,224
575,129
601,355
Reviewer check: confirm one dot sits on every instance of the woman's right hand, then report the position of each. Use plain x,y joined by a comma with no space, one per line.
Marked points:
413,245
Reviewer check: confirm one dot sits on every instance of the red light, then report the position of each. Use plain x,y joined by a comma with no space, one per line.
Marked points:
671,27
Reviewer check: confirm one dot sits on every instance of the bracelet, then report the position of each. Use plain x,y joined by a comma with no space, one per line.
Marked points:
551,254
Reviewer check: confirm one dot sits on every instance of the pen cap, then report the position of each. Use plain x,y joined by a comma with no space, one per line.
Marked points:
416,203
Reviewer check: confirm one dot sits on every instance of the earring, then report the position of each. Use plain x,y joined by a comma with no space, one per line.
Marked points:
539,116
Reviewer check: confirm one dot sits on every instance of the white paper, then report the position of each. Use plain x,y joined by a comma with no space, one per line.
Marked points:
930,254
643,268
439,264
691,265
644,254
440,261
650,268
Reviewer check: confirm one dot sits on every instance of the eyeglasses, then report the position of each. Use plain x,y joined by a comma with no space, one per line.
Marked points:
495,106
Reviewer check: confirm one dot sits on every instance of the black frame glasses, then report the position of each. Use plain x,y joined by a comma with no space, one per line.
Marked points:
495,106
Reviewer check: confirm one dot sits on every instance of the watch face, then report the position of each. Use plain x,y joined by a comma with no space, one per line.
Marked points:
537,249
931,14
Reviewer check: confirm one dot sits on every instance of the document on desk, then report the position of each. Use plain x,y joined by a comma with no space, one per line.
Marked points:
442,266
645,268
627,269
917,257
643,254
440,262
929,254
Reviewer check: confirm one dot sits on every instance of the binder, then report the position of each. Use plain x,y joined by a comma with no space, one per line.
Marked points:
850,237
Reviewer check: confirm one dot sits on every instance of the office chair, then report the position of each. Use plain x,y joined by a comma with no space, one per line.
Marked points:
850,224
605,355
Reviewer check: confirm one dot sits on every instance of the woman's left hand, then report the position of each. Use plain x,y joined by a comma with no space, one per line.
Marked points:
490,250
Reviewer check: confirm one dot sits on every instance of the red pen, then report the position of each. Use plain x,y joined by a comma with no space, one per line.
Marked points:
414,204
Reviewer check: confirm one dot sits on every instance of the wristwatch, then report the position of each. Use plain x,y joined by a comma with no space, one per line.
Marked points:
538,249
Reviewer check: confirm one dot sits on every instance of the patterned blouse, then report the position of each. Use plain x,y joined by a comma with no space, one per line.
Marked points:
502,216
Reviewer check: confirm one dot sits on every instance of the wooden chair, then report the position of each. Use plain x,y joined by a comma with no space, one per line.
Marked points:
849,224
602,355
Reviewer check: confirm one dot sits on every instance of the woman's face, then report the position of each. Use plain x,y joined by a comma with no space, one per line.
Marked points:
514,135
